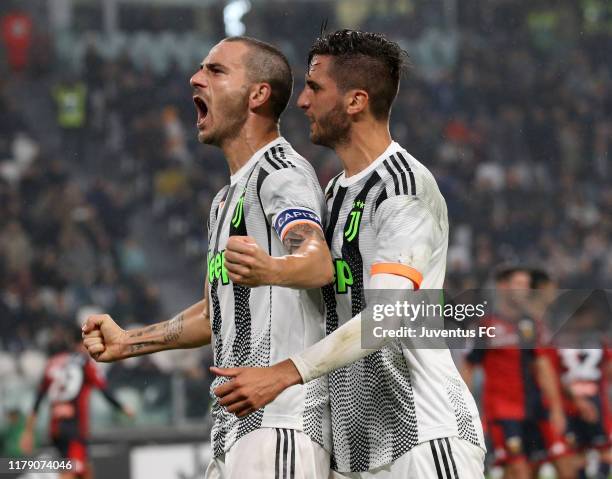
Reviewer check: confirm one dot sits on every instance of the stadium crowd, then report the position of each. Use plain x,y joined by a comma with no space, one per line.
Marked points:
517,129
63,245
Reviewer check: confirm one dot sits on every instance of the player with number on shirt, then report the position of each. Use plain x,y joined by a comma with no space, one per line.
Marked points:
69,378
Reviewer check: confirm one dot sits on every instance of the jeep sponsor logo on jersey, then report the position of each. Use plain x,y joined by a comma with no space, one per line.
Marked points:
216,267
343,276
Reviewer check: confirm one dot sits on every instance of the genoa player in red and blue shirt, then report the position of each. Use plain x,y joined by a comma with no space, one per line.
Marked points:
584,377
70,376
521,399
583,367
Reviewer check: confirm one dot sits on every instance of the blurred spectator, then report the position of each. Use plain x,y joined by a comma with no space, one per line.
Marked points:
71,103
16,248
132,258
16,28
10,435
63,244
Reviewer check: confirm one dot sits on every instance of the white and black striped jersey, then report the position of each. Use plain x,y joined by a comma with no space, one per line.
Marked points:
390,218
261,326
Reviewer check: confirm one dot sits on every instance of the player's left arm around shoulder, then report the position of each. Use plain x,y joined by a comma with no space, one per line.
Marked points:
307,264
293,201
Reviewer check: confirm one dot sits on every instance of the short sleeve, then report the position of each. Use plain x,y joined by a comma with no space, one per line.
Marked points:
289,197
405,238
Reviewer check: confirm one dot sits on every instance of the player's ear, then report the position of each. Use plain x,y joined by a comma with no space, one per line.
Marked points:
357,101
260,94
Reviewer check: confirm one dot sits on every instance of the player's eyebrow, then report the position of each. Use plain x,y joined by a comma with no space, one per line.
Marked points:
312,84
211,66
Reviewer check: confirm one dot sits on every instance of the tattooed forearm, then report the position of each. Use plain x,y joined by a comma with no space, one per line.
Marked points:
141,332
173,329
297,235
134,348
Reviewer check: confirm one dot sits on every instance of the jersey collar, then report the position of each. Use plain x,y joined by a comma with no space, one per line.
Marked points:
344,181
244,169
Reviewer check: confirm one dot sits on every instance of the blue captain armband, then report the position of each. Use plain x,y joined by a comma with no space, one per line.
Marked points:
293,216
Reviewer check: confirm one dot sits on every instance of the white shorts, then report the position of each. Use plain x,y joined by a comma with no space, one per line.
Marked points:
447,458
272,453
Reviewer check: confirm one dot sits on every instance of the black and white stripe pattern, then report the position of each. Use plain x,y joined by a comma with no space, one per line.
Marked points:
329,191
401,173
285,454
277,158
382,197
405,164
446,468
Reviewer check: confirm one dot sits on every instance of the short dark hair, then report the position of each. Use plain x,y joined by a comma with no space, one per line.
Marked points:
364,60
539,278
266,63
504,273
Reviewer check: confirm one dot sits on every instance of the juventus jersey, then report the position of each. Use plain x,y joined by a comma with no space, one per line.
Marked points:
390,218
261,326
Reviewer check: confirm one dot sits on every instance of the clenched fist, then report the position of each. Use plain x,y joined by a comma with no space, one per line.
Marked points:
103,338
248,264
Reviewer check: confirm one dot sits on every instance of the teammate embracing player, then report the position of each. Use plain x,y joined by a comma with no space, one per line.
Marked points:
264,229
395,413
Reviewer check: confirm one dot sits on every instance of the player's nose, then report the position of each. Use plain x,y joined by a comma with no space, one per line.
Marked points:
303,101
198,80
